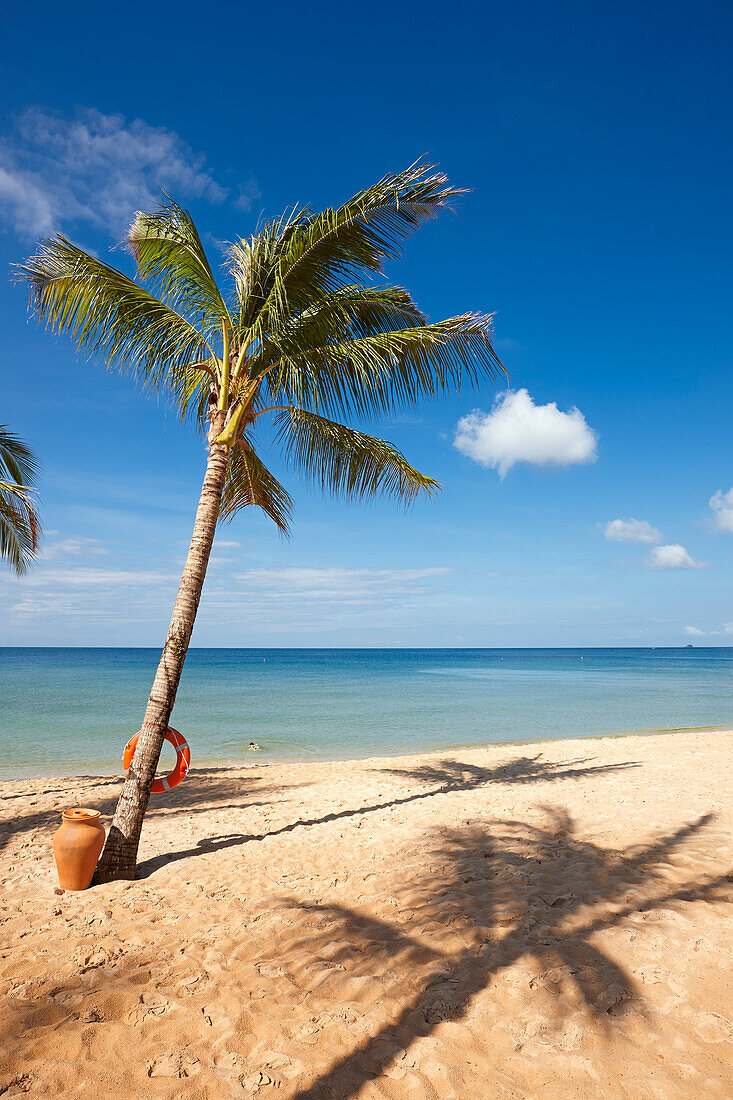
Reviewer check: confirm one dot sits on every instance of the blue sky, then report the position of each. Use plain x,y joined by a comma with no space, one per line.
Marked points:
596,141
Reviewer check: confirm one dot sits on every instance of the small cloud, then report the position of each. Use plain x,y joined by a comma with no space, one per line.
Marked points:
403,418
517,430
72,548
727,628
494,576
722,507
96,169
23,202
672,556
631,530
339,584
79,576
504,344
246,195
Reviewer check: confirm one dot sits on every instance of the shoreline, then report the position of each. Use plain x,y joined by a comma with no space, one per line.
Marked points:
257,761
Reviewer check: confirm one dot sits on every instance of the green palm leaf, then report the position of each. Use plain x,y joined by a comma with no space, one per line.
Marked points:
19,525
322,252
106,313
168,252
345,314
252,263
17,461
382,372
249,482
348,463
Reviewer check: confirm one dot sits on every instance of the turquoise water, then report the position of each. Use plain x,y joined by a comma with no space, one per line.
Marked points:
70,711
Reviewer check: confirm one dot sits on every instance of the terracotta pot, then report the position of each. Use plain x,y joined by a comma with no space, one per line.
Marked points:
77,845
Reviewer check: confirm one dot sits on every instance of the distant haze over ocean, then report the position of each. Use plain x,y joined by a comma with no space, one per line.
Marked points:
70,711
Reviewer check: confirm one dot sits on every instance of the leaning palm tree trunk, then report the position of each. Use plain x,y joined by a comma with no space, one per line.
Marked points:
120,851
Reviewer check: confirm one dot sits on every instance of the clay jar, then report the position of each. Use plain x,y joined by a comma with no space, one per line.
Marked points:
77,845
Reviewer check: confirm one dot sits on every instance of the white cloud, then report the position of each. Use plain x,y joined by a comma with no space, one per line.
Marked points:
506,344
81,576
672,556
517,430
97,170
69,590
73,547
631,530
23,203
337,584
722,506
75,580
727,628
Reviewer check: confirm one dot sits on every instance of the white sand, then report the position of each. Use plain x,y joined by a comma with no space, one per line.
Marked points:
520,921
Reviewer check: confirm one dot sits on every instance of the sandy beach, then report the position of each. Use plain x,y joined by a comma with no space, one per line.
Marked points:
550,920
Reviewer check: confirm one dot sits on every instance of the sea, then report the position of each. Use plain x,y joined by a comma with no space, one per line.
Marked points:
71,711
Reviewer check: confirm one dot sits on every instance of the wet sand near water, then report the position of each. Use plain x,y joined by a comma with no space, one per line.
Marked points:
550,920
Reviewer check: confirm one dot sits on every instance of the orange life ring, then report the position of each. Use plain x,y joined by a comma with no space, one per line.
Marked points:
183,760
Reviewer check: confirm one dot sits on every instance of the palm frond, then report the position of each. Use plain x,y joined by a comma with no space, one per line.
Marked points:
346,462
346,314
324,251
249,482
168,251
104,312
385,371
18,464
252,263
19,524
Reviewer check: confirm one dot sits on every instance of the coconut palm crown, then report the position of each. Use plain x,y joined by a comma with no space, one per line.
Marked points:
301,337
19,525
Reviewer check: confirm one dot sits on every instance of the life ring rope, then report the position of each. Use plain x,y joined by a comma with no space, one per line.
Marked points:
183,760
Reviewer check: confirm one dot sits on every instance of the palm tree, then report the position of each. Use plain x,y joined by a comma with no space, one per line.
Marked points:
300,336
20,529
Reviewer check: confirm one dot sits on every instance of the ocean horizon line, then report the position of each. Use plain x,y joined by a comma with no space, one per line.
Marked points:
379,649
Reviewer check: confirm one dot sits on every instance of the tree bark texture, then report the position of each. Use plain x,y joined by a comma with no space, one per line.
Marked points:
119,857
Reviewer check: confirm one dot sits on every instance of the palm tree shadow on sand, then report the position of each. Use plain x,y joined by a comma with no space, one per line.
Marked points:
205,789
443,778
486,899
458,775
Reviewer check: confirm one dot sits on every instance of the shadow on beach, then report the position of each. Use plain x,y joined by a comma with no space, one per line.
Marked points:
446,777
491,898
205,789
504,901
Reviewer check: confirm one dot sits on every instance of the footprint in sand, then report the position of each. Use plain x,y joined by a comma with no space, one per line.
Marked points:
713,1028
176,1064
16,1085
151,1004
256,1081
438,1011
91,958
612,999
